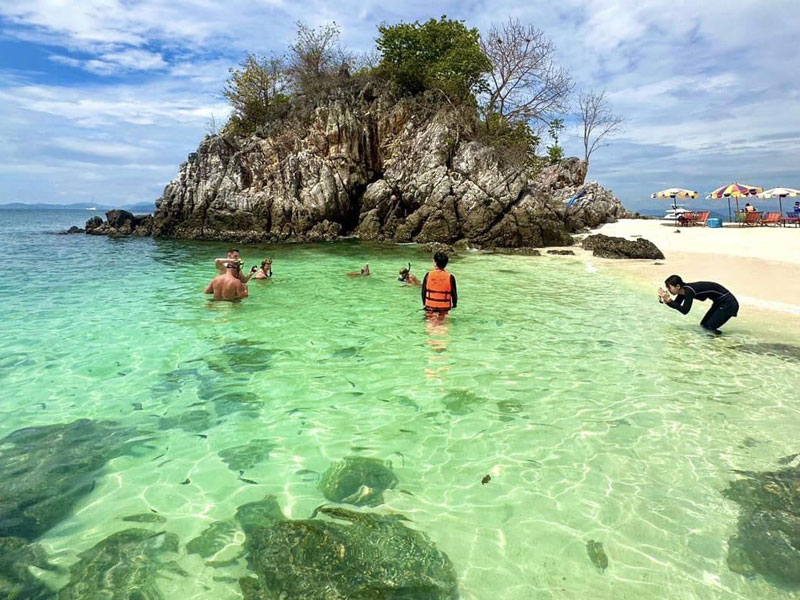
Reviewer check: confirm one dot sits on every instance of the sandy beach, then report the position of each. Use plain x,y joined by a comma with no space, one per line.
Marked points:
760,265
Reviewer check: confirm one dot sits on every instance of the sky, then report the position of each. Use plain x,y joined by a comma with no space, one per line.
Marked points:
102,100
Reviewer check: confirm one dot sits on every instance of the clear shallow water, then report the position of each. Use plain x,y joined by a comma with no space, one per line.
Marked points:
597,413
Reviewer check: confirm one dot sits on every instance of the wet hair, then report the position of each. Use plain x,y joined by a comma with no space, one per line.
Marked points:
232,250
674,281
441,259
265,262
233,264
404,271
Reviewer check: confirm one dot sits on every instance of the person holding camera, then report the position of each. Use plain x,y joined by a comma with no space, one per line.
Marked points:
723,304
265,272
228,286
233,255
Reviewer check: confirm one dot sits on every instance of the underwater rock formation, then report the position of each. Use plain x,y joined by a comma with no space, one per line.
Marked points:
124,566
16,579
370,557
357,480
768,538
45,470
616,247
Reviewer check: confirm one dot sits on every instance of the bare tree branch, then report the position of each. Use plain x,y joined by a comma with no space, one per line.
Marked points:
597,120
525,83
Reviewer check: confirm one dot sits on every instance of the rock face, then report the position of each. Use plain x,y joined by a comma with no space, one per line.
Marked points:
616,247
382,170
120,222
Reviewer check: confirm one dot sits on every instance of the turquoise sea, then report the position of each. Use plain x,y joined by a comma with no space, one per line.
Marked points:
597,414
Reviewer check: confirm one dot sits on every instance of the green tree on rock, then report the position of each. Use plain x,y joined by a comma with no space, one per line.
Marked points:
257,93
442,55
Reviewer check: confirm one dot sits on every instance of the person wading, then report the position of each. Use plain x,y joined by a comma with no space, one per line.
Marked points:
228,286
724,304
439,293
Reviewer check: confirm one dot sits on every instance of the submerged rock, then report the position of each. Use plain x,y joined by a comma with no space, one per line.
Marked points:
357,480
124,566
597,555
616,247
16,579
767,541
45,470
264,513
241,458
213,539
371,557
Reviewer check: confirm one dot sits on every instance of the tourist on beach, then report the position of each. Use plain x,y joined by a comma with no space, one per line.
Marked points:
364,272
233,254
439,293
797,207
749,208
265,271
228,286
406,276
723,303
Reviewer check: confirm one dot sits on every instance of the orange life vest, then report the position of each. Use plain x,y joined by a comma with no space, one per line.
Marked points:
438,292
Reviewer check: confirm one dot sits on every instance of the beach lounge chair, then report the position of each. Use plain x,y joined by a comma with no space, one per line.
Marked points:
792,218
701,218
686,219
752,218
773,218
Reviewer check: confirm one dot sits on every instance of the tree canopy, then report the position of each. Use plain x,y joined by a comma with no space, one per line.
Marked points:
442,55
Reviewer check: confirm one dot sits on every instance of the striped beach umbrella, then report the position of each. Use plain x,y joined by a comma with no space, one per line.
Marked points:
735,191
675,193
780,193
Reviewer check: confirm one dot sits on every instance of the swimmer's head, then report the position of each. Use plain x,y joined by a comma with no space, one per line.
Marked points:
365,270
441,259
403,274
233,265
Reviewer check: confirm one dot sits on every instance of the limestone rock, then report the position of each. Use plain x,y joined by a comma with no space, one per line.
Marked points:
381,169
616,247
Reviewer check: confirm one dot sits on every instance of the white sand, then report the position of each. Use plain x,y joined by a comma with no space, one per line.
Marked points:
760,265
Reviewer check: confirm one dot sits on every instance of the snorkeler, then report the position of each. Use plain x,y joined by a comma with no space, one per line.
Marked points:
406,276
228,286
723,304
439,293
364,272
233,254
265,272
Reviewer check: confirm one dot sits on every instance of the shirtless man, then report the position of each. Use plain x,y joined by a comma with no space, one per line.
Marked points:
228,286
232,254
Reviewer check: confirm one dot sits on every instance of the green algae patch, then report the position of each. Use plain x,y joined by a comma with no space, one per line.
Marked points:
16,579
45,471
241,458
357,480
367,556
767,541
124,566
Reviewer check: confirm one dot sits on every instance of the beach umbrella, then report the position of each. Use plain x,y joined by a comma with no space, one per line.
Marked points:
675,193
780,193
735,191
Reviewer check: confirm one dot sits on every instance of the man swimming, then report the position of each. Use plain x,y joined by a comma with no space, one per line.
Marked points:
364,272
228,286
723,304
406,276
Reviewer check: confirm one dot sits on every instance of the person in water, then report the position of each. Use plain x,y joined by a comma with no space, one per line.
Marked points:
406,276
439,293
228,286
265,272
364,272
723,304
233,254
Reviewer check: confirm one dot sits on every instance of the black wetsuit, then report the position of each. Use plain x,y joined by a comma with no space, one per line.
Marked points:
723,307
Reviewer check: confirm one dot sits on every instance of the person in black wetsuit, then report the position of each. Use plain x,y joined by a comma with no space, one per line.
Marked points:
723,303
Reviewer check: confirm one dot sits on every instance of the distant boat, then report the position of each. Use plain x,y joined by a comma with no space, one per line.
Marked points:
91,208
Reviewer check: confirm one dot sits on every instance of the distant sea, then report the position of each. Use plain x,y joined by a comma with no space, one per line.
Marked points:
139,207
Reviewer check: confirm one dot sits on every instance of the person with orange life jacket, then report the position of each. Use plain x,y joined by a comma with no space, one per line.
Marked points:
439,292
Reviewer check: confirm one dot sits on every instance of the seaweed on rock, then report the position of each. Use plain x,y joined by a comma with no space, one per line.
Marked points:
357,480
768,538
45,471
16,579
370,557
124,566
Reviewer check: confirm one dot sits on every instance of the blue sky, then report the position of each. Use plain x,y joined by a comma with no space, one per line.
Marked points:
101,100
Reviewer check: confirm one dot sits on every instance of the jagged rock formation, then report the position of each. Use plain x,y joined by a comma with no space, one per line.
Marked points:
382,170
120,222
606,246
